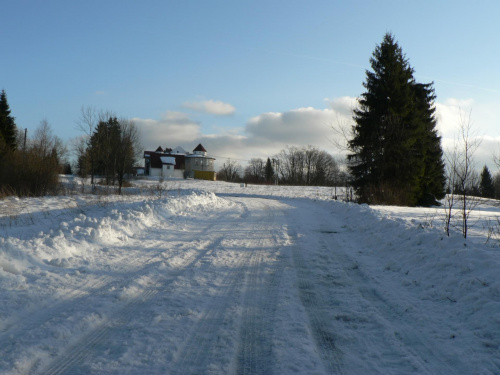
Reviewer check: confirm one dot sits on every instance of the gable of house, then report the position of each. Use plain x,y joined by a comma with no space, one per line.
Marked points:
199,148
178,151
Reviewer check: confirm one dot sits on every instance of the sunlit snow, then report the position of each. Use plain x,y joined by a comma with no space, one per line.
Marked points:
219,278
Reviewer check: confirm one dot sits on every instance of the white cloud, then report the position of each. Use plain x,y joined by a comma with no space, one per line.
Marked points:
449,115
487,152
301,127
484,119
213,107
298,126
343,105
173,129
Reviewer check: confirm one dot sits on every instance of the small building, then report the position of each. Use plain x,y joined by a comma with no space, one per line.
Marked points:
138,171
179,163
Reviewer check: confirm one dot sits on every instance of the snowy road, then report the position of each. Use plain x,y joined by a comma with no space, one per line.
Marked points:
246,286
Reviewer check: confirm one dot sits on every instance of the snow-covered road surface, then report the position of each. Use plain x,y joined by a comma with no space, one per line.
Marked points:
231,285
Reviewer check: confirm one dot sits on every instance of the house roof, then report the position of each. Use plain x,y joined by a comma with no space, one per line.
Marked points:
159,149
179,150
200,148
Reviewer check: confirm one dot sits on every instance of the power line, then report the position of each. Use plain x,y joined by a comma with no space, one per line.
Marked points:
227,157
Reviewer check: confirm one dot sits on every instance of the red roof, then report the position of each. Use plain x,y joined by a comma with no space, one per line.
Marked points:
200,148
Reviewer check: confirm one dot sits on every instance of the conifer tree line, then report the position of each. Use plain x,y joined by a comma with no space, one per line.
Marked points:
395,152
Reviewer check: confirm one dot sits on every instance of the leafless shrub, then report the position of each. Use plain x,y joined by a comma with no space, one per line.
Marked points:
159,189
493,232
429,220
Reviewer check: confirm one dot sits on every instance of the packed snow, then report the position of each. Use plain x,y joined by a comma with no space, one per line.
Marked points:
196,277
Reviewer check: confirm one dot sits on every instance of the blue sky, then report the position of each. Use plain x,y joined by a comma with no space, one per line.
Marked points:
245,78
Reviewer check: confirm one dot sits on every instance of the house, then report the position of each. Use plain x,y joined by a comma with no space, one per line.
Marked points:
179,163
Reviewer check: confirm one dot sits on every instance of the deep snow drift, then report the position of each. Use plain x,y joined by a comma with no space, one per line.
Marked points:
217,278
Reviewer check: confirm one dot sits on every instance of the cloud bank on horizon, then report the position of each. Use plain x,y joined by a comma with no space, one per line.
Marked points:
262,136
266,134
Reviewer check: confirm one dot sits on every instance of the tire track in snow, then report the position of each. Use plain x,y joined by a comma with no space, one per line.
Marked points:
197,352
255,350
321,328
194,353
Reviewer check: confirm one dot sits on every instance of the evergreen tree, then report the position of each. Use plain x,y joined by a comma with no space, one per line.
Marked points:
486,186
103,149
269,171
8,130
396,156
433,179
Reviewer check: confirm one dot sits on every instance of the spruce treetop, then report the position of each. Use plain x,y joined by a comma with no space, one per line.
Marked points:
8,129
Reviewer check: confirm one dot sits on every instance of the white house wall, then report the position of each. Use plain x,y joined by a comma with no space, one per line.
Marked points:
172,172
178,173
155,172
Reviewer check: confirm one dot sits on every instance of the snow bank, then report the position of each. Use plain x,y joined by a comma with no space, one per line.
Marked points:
74,232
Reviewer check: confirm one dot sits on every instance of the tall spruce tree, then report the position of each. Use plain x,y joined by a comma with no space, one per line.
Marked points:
269,171
8,130
486,186
103,147
396,156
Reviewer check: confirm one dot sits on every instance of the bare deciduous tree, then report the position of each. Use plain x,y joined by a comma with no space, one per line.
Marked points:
88,122
343,132
41,162
306,166
255,171
230,171
461,174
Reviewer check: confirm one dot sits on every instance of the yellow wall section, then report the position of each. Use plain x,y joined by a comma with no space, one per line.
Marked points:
204,175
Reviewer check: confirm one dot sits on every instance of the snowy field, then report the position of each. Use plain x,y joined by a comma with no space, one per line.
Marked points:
216,278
